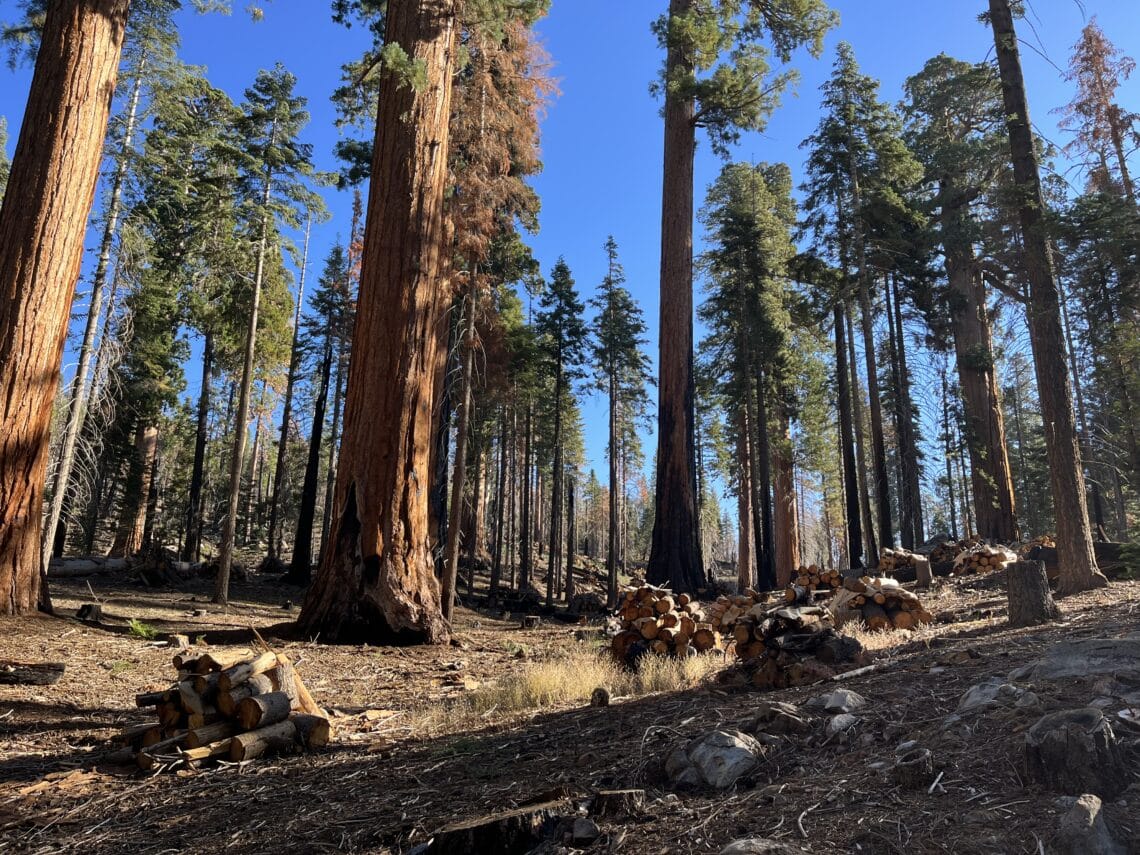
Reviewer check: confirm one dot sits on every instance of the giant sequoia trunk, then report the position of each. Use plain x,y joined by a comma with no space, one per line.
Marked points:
675,556
1074,538
377,577
55,528
50,190
990,477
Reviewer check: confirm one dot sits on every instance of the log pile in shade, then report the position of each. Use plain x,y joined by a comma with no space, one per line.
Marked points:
982,558
784,646
1044,540
813,578
668,624
229,706
879,603
948,550
892,561
727,610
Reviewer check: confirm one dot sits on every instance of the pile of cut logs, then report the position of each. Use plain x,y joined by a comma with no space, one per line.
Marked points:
814,578
727,610
880,604
982,558
891,561
668,624
790,646
235,706
1044,540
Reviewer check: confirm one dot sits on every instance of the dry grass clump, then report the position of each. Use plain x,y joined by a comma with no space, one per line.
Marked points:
571,679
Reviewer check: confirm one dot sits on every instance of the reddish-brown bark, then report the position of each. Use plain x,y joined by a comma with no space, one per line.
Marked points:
377,578
42,224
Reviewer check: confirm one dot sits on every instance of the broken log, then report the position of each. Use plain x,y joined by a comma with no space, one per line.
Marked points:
238,674
259,711
258,684
276,737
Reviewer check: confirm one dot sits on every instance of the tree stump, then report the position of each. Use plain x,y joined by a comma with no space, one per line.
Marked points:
90,611
1075,752
513,832
617,802
1030,601
922,574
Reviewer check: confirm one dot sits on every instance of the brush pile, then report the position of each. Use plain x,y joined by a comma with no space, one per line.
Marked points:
982,558
893,561
786,646
233,706
668,624
880,604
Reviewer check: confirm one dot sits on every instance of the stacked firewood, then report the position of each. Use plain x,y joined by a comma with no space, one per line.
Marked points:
727,610
1046,541
891,561
982,558
811,578
945,552
235,706
786,646
879,604
669,624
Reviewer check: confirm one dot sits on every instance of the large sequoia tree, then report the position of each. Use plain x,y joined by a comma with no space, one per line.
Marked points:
42,224
377,578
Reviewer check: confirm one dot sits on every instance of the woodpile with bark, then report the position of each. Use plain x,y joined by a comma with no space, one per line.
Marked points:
982,558
892,561
668,624
880,604
1043,541
815,578
783,646
727,610
947,551
230,706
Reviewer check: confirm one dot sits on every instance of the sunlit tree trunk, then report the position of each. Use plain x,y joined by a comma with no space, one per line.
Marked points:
847,442
377,577
43,220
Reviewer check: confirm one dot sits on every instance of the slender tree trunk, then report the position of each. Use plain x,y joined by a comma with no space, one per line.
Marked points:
80,386
513,493
241,419
847,441
743,503
334,447
526,568
912,475
556,481
500,505
192,547
571,536
860,446
378,576
301,565
949,452
614,529
459,478
151,517
287,406
674,557
765,549
1074,538
251,490
43,220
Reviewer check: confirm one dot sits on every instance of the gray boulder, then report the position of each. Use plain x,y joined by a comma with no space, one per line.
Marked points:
718,759
1082,829
759,846
1087,657
839,701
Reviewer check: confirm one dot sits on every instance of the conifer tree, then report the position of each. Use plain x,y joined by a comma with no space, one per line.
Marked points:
562,338
956,127
5,163
1079,570
621,371
272,183
716,77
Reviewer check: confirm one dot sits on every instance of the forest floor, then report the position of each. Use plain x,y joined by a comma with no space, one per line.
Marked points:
409,757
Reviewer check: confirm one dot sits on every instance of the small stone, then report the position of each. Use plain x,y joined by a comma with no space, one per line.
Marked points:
839,701
718,759
905,747
1083,830
841,723
585,831
759,846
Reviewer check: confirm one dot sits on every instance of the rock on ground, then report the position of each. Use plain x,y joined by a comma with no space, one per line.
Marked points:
718,759
759,846
1082,829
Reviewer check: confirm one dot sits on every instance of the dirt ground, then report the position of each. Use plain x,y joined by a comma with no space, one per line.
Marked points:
399,769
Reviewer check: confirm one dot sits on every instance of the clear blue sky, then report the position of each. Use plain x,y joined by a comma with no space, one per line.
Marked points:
602,136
